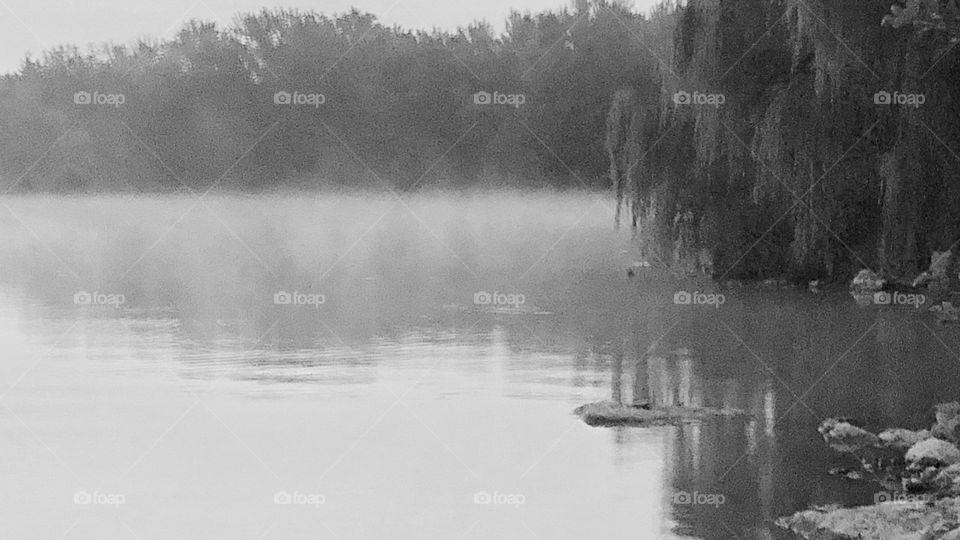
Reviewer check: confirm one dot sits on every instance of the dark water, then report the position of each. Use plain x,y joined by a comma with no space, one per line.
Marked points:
398,407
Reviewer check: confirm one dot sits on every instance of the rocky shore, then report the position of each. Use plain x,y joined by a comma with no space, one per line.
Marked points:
920,471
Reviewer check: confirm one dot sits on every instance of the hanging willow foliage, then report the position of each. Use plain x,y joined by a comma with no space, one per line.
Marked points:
835,176
621,137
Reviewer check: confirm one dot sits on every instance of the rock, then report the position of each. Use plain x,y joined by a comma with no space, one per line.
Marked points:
949,430
945,412
609,413
921,481
846,437
932,452
947,313
902,438
884,521
943,266
867,281
946,528
636,267
948,480
948,422
847,473
776,283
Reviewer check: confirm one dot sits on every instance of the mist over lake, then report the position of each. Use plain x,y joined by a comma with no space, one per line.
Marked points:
608,269
201,395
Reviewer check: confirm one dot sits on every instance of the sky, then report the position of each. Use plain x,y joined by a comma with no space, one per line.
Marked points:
32,26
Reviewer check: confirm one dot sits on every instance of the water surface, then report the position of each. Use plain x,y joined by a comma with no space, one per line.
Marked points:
398,407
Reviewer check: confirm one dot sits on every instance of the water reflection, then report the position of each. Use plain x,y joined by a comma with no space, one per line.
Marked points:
763,466
312,393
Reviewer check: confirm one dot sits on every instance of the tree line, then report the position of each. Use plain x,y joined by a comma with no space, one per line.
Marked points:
742,138
287,98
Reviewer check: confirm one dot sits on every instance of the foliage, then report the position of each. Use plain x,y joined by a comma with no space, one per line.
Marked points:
199,108
838,178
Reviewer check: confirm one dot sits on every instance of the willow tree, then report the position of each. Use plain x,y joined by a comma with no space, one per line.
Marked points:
623,148
804,168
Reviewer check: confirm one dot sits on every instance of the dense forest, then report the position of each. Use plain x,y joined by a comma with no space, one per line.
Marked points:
742,137
289,98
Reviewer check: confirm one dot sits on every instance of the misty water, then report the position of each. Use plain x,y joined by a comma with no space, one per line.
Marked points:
157,384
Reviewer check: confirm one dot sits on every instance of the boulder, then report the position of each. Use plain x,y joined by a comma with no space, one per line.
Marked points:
932,453
948,422
867,281
902,438
846,437
940,275
948,480
945,412
949,430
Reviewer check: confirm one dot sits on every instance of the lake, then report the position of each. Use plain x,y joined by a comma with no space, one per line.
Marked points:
348,365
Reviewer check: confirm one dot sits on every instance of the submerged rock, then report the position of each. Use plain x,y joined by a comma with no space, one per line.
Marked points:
885,521
609,413
847,473
932,452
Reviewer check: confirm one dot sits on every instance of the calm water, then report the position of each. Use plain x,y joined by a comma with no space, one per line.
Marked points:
398,405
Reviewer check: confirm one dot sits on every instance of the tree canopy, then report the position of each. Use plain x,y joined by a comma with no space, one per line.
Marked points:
798,137
293,98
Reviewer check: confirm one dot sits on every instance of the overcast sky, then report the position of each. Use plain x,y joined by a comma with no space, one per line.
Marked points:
35,25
